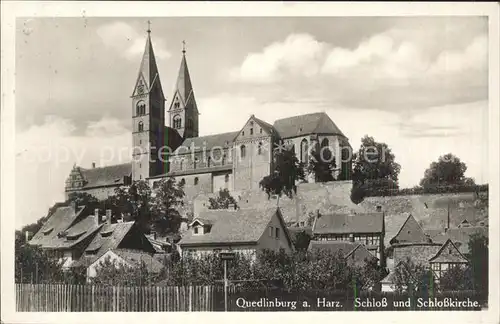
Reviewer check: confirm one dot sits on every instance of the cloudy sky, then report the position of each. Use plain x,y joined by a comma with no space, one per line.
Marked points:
418,84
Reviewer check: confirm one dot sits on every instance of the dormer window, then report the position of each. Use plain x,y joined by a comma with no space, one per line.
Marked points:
196,230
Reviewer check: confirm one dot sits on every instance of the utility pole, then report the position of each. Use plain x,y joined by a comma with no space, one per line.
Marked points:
225,256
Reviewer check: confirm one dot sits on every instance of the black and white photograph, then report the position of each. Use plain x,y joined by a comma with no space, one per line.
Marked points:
177,161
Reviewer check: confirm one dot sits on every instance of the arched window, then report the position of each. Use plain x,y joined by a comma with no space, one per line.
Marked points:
304,147
195,162
223,159
196,181
226,178
181,164
209,160
177,122
243,151
140,108
141,126
259,148
183,182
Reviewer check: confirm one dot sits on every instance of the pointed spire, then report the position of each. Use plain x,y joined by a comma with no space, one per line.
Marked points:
148,69
183,85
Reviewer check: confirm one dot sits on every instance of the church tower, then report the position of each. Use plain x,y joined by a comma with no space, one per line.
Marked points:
183,112
148,117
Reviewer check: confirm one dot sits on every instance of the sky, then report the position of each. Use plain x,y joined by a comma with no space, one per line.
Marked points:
419,84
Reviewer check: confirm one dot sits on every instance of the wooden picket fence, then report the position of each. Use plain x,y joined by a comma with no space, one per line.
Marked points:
90,298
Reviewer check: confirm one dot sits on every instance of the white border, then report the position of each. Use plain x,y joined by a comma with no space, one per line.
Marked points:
11,10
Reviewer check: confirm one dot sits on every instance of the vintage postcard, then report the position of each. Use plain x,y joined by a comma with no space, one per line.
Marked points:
312,161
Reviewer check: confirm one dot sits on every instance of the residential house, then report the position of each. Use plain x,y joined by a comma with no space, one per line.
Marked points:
66,233
244,231
355,253
117,236
364,228
129,258
446,258
437,249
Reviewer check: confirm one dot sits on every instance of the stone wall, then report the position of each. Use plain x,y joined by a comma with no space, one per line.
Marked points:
254,165
418,253
101,193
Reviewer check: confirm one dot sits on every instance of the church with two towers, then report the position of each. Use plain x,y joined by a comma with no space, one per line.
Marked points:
166,142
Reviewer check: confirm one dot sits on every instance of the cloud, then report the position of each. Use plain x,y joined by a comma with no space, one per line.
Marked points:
46,153
297,54
385,71
128,42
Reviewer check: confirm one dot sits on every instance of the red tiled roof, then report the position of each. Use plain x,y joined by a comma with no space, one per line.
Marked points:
106,176
448,253
410,232
315,123
353,252
64,229
349,223
242,226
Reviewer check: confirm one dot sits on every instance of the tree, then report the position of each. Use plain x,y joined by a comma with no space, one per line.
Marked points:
301,240
374,167
223,200
287,171
457,278
33,266
322,164
374,161
167,197
409,276
83,199
133,202
478,255
448,170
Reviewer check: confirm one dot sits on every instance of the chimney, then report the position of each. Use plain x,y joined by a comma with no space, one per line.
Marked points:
448,218
27,234
96,216
93,165
74,205
108,216
154,235
379,209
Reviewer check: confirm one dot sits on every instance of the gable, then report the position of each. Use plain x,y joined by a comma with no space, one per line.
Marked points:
254,128
410,232
141,86
448,253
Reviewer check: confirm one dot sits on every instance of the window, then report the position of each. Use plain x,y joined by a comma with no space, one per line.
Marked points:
140,108
140,176
196,181
325,143
277,233
140,165
243,133
261,130
304,154
181,162
243,151
195,230
259,148
226,178
223,159
270,231
251,131
177,122
195,163
141,126
183,182
140,142
209,160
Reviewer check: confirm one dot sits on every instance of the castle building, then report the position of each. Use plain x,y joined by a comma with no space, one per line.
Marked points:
235,160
